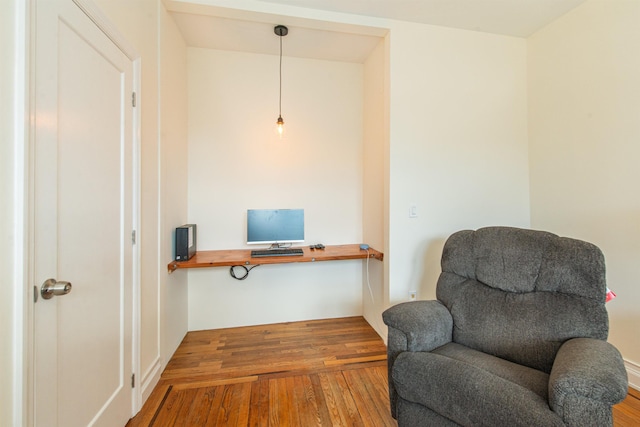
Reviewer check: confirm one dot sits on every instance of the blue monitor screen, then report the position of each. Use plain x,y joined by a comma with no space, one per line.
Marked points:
275,226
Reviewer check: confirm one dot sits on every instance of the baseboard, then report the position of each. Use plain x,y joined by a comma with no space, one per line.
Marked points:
633,372
150,379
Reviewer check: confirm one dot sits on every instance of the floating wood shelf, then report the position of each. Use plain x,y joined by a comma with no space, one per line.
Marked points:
229,258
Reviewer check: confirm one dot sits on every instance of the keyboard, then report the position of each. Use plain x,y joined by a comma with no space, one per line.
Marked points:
276,252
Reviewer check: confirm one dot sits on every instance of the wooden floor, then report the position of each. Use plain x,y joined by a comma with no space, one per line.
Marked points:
315,373
627,413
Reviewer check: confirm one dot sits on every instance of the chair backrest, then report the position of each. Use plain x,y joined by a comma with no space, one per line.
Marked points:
519,294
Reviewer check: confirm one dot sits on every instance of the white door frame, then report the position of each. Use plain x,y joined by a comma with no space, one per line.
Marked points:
20,306
25,410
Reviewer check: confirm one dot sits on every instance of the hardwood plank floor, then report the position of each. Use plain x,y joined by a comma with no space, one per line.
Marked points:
627,413
315,373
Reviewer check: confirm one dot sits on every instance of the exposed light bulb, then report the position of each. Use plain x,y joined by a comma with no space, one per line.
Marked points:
280,124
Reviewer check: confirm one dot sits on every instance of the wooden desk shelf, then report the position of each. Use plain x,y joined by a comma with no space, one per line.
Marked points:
229,258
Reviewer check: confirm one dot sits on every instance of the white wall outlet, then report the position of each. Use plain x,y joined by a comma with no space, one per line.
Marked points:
412,295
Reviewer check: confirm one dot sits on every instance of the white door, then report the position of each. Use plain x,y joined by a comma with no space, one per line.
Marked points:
82,221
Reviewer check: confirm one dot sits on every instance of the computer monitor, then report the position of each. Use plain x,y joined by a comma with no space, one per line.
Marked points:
275,226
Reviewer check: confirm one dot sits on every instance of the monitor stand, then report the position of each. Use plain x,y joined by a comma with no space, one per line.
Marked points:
280,245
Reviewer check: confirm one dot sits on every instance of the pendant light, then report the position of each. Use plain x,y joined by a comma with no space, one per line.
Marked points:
280,31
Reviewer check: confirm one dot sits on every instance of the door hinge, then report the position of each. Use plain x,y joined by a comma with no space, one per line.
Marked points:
133,99
133,380
133,237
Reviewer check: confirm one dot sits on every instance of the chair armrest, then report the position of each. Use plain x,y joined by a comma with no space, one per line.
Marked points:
426,325
414,326
588,377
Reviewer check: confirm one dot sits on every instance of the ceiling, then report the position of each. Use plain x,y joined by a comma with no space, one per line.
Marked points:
223,28
519,18
214,32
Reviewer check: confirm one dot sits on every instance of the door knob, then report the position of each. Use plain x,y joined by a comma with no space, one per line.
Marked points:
51,288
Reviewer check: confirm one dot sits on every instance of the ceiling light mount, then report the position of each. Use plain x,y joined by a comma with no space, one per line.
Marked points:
281,30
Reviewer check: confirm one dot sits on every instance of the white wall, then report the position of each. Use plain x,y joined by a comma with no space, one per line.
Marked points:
455,145
151,31
237,162
173,180
138,22
584,116
458,144
457,149
375,191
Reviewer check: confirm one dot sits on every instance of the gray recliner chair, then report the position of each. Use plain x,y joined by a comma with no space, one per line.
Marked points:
516,337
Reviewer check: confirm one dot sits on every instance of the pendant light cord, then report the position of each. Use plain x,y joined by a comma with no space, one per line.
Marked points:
280,97
281,31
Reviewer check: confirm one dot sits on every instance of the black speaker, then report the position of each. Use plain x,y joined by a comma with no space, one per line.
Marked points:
185,242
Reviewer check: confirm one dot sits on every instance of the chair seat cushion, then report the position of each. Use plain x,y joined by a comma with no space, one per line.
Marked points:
473,388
